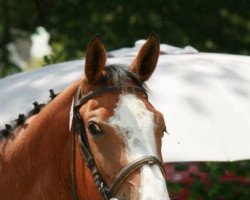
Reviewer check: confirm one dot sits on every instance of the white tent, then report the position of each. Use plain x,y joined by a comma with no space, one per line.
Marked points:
205,99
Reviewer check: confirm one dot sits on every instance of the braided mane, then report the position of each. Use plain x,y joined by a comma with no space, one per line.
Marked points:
21,119
115,74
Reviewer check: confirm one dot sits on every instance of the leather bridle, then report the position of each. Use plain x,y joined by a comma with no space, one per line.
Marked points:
106,191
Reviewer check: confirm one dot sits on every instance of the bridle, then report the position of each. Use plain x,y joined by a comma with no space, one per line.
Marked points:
105,191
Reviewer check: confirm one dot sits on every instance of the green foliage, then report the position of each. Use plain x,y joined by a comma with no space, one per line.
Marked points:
12,68
208,25
222,181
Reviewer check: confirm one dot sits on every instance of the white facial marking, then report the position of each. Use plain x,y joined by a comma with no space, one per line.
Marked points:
153,186
136,124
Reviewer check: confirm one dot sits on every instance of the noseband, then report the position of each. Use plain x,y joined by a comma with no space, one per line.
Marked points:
105,191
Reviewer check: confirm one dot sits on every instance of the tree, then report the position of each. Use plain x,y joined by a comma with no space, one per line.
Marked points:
208,25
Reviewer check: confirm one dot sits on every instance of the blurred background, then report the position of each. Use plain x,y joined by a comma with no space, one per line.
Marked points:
34,33
208,25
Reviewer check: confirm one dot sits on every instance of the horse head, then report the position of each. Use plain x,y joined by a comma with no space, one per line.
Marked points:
119,131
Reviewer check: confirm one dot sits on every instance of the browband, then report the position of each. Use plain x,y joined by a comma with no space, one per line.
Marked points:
80,100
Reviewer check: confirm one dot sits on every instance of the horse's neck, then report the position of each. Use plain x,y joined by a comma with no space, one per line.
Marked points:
36,160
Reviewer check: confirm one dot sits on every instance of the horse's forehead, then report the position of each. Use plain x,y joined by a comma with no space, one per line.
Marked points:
102,107
130,108
135,122
115,104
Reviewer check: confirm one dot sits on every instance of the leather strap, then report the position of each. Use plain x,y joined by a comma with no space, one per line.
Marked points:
73,180
86,150
100,91
132,167
88,156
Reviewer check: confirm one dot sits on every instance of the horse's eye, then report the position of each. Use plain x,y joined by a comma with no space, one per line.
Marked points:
94,128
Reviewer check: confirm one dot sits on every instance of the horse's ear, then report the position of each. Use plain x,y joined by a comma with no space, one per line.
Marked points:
145,62
95,60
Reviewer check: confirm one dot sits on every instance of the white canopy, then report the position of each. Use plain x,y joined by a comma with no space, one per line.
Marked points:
205,99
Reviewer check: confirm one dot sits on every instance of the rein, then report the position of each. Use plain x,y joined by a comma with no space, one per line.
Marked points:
106,191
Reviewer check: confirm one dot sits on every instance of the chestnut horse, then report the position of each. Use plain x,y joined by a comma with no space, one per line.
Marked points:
98,139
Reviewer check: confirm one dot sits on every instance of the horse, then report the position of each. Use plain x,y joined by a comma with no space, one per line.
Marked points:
100,138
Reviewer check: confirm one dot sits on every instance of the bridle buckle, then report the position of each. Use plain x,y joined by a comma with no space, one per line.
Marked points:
150,162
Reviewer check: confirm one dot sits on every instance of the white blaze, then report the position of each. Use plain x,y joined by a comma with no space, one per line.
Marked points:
136,124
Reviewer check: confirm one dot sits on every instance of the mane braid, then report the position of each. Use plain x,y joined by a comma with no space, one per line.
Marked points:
9,128
116,75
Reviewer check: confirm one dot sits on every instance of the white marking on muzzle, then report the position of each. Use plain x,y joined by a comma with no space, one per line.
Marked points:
153,186
136,124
